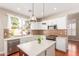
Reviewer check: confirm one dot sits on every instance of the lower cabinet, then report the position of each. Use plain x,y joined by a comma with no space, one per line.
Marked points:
50,51
62,43
12,46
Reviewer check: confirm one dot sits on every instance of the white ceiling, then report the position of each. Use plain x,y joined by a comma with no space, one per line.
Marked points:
38,8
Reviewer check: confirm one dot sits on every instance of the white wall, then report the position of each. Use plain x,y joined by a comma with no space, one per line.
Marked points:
3,24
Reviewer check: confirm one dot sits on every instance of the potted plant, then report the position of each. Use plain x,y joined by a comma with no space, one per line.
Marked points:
39,39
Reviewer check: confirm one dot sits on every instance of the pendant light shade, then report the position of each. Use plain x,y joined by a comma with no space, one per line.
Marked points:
33,18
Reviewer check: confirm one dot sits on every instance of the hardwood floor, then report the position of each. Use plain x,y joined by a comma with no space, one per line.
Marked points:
16,54
1,54
73,50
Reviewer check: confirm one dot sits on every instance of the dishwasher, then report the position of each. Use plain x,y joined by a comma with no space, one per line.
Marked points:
12,46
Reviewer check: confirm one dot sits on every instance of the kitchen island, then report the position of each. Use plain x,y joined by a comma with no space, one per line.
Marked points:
33,48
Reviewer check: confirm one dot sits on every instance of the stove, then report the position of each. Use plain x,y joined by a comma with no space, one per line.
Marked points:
51,37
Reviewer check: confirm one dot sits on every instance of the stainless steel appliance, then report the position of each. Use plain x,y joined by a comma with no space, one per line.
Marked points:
51,37
12,46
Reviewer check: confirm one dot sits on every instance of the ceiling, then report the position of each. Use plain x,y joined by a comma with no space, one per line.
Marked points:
49,8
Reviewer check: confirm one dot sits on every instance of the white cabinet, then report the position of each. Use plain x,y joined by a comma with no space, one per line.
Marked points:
51,51
38,26
34,25
61,22
48,52
62,43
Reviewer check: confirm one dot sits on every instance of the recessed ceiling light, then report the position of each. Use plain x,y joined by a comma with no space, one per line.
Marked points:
18,9
55,8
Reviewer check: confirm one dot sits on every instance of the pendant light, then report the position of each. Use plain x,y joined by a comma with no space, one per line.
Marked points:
33,18
43,9
43,14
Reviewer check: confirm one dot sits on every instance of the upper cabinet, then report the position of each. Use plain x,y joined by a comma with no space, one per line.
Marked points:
60,22
38,26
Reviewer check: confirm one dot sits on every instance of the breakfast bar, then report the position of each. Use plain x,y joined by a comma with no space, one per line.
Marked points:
33,48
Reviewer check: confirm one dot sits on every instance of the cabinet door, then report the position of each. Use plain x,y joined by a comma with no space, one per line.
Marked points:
61,43
50,51
34,26
38,26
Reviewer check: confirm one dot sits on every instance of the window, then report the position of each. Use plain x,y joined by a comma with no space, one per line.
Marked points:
18,26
